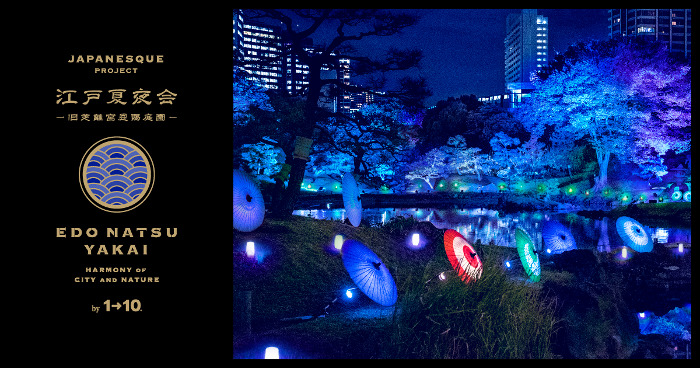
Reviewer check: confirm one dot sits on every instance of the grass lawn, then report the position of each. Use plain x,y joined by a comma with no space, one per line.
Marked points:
298,273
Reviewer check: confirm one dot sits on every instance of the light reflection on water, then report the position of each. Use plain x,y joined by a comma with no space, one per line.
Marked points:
489,225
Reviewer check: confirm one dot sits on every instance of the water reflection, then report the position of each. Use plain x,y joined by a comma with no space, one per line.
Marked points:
489,225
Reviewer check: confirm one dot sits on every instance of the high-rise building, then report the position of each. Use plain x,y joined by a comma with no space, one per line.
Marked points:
237,34
262,54
670,26
526,51
260,50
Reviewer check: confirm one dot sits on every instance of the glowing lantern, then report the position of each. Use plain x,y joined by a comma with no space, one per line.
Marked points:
680,248
415,239
338,242
272,353
624,252
348,293
250,249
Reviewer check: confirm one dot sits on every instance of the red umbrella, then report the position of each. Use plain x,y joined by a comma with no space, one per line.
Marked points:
462,256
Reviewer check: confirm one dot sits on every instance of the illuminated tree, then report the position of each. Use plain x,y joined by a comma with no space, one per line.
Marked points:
535,157
350,26
466,160
586,101
634,87
247,94
374,137
263,159
505,154
430,166
331,164
664,84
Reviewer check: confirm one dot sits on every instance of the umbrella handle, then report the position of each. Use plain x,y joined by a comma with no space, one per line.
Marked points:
438,275
325,309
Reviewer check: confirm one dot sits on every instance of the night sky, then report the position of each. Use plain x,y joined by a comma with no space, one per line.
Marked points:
463,50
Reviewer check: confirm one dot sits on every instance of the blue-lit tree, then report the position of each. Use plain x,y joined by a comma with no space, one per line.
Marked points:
331,164
664,84
264,160
585,101
466,160
429,167
247,94
349,26
376,137
505,154
534,158
627,99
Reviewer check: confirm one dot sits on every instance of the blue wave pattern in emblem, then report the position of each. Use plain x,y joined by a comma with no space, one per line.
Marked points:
116,174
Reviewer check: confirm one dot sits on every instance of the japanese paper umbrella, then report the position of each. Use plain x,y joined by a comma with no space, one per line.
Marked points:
248,203
526,252
369,273
351,200
462,256
633,234
557,237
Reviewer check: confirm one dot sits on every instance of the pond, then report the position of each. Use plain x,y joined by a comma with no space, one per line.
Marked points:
490,225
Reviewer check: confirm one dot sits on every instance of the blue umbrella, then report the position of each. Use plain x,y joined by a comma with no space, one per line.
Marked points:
557,237
633,234
248,203
351,200
369,273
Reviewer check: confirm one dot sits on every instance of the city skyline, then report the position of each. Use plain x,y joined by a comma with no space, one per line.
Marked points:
463,49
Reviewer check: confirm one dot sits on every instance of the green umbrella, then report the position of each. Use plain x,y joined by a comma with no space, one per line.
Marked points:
528,257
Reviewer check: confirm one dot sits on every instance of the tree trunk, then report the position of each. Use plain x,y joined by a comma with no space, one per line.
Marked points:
306,129
602,179
357,162
291,194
